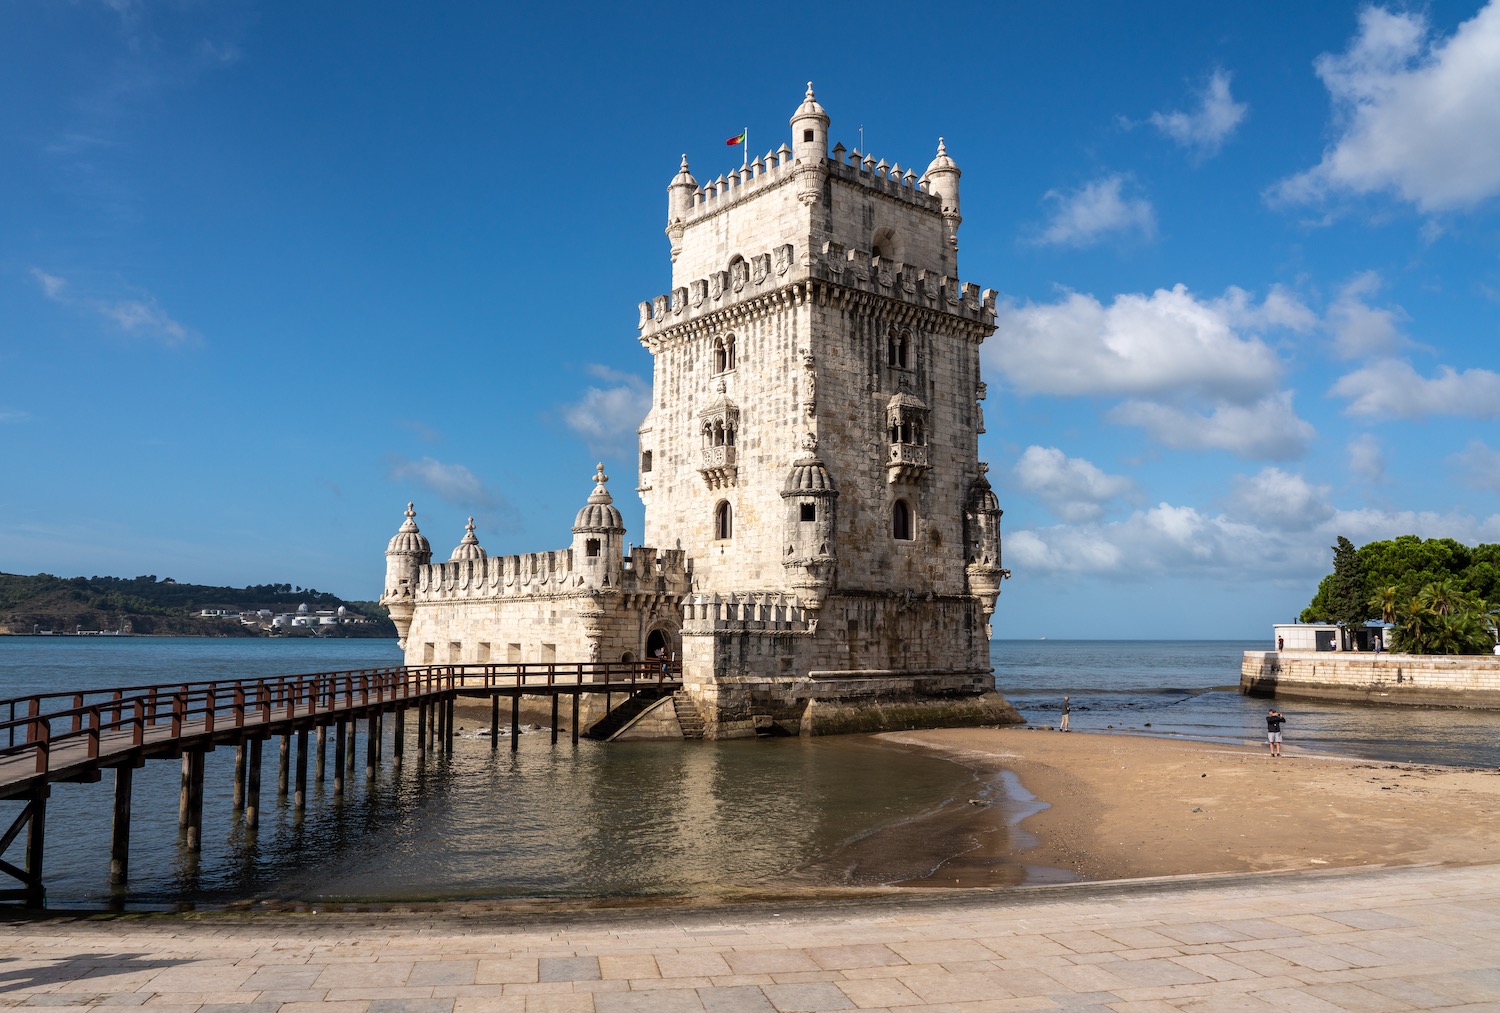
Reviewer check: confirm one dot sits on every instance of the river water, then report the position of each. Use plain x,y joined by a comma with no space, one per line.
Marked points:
636,819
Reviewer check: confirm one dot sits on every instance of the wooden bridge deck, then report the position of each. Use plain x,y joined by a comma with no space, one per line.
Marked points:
73,736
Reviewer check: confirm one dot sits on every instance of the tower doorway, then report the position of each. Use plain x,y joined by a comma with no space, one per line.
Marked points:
659,640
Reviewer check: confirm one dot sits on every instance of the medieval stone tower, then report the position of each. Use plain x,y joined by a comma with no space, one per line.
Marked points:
829,545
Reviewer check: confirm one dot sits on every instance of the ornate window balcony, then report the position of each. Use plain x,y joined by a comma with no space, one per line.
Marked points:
719,468
906,462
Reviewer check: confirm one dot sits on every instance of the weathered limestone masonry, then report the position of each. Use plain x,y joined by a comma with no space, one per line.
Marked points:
811,455
1410,679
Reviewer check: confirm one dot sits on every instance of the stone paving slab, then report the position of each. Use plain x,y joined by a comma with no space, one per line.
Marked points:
1375,941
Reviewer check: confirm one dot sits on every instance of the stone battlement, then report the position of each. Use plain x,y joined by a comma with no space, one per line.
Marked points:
766,612
645,570
859,270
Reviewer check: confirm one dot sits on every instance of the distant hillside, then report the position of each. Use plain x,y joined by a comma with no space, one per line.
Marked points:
146,605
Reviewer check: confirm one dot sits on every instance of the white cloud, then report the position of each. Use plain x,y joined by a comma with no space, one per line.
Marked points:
1280,500
607,417
13,415
1416,116
452,483
140,315
1096,210
1167,343
1205,129
1268,428
1360,329
1478,466
1073,488
1367,459
1391,388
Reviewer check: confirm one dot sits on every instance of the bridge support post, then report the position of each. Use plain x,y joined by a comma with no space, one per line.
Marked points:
398,737
299,799
119,841
554,719
515,721
322,742
284,757
36,845
379,726
184,789
421,729
239,776
195,801
252,787
576,694
349,756
372,746
452,707
494,722
338,758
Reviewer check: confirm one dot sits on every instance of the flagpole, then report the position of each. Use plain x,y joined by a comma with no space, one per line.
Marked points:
745,163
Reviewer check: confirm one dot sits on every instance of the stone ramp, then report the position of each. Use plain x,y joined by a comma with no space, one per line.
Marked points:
1396,939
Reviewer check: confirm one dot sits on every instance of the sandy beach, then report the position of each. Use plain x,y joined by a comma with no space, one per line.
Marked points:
1124,807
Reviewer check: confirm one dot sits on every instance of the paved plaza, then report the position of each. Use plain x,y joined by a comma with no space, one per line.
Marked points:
1419,938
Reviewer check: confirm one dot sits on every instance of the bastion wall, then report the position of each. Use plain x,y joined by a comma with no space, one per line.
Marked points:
1470,681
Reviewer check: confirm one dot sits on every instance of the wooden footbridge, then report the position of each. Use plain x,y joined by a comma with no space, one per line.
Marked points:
49,738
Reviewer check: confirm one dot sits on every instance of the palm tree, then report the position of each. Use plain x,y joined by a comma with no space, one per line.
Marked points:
1384,599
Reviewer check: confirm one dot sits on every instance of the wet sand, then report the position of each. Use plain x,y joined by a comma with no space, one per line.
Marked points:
1125,807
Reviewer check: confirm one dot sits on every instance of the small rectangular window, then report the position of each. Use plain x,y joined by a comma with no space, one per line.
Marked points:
591,547
455,652
807,135
809,511
429,652
645,460
513,653
484,652
549,653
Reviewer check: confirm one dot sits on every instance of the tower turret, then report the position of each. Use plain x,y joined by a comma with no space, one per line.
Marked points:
597,533
469,548
810,147
810,557
941,178
680,194
982,533
407,552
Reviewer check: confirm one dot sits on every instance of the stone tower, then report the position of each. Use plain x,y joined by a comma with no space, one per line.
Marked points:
812,443
406,554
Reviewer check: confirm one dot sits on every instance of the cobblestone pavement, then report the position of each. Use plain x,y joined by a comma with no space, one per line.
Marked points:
1372,941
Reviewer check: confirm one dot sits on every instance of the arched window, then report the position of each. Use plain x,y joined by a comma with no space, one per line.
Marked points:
723,521
898,349
901,525
724,354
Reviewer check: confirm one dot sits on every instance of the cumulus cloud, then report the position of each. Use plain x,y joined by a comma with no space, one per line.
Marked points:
1266,429
1366,456
1281,500
607,417
139,316
1477,466
1152,346
1073,488
1416,116
1361,330
1391,388
1205,129
1095,211
452,483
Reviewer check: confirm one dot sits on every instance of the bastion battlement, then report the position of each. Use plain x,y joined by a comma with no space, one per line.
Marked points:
645,570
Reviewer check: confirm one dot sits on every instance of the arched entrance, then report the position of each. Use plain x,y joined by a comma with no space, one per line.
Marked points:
663,642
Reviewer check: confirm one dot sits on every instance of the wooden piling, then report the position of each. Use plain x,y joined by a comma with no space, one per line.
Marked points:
575,717
422,728
398,737
195,801
554,719
284,764
494,722
338,758
515,721
119,842
239,776
452,705
36,846
349,756
299,799
322,741
372,747
252,787
183,791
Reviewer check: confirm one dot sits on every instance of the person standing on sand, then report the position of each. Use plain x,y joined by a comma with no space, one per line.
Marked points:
1274,720
1067,709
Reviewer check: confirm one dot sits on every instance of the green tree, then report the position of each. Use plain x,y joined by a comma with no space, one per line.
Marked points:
1347,596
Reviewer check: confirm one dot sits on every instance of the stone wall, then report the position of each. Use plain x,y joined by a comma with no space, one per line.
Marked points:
1401,679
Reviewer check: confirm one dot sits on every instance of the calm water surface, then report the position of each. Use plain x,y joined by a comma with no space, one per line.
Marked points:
630,819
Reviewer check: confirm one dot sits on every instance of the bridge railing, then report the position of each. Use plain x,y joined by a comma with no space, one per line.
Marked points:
125,717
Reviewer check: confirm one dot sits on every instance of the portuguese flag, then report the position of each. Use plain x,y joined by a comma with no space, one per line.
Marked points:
739,138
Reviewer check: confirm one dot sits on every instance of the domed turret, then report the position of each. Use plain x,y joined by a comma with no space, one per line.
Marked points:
982,533
680,194
810,147
809,558
941,178
598,534
407,553
469,548
600,514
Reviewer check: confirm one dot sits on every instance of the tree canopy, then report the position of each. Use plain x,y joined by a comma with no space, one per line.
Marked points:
1436,591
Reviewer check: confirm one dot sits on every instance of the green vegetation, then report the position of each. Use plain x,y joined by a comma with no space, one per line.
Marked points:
1437,592
147,605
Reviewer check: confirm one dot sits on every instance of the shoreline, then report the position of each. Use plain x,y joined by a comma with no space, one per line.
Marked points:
1123,806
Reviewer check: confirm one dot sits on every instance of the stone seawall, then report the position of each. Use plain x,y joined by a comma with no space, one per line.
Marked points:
1400,679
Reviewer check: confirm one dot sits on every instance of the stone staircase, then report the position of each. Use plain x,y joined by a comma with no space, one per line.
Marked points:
687,715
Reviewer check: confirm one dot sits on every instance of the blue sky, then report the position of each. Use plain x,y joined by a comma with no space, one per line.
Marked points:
269,270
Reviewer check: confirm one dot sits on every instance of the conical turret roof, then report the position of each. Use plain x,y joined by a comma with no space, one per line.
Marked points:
600,514
408,538
469,547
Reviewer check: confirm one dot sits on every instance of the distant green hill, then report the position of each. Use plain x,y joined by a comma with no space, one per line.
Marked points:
146,605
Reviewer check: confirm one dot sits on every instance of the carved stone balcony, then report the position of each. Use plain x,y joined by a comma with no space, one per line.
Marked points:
905,463
719,468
